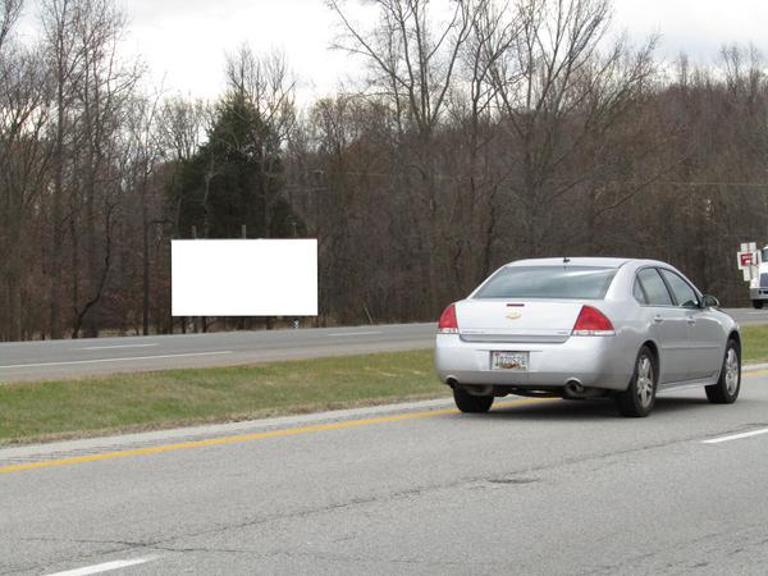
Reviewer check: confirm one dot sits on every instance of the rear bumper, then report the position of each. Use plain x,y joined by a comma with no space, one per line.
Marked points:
598,362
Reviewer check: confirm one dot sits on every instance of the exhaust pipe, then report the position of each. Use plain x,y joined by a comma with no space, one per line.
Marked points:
574,388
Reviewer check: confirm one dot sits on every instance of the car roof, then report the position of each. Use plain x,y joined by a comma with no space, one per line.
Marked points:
585,261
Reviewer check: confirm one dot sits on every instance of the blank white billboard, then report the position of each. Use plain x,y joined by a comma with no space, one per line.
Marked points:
244,277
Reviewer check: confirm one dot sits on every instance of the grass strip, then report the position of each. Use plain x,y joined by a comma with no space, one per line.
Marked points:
755,343
142,401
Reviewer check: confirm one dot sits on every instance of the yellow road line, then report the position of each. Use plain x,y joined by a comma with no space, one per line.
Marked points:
238,439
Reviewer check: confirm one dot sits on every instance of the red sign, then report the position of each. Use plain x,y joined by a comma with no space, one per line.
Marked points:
745,258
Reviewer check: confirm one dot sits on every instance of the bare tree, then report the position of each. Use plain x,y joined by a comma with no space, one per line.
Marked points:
556,88
92,87
181,127
103,96
413,57
475,207
59,18
269,85
24,155
10,10
141,156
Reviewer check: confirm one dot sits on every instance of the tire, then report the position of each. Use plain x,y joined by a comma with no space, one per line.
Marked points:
728,385
757,304
470,404
638,399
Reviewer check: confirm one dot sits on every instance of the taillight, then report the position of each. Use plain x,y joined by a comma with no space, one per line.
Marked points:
592,322
448,323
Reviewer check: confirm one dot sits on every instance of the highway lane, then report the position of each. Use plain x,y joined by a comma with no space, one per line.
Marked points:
76,358
748,315
534,487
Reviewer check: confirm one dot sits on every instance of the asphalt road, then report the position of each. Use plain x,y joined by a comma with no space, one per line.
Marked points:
535,487
76,358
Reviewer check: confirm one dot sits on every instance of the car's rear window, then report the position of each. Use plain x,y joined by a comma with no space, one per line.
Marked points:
567,282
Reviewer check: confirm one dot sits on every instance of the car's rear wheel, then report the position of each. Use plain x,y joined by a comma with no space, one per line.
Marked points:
726,390
758,304
638,399
469,403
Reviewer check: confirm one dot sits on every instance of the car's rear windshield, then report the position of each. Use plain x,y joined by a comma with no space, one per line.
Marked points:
567,282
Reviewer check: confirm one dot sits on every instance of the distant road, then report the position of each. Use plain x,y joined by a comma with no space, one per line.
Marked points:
748,315
75,358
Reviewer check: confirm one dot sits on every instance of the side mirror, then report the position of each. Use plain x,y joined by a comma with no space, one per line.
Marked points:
709,301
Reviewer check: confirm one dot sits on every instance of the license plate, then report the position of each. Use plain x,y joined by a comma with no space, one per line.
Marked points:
510,361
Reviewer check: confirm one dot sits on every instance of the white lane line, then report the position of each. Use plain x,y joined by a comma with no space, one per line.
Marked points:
735,436
100,360
345,334
106,567
115,347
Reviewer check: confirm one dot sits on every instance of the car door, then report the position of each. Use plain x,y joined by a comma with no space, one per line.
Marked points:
667,324
705,334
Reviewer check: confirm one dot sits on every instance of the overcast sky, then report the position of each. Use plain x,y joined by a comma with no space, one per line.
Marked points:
184,42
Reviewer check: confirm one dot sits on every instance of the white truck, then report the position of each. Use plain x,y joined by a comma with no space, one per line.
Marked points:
754,265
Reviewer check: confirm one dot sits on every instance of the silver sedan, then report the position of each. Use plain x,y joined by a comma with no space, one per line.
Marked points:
584,328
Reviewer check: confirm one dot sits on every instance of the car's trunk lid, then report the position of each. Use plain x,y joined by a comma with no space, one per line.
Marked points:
532,321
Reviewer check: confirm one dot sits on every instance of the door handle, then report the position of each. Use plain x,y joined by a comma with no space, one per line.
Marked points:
691,322
658,319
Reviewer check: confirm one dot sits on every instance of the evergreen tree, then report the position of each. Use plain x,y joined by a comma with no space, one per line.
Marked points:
235,179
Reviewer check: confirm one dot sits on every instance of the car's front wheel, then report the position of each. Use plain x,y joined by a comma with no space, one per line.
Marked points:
758,304
726,390
469,403
638,399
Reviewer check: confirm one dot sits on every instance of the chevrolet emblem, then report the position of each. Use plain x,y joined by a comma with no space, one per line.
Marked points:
514,315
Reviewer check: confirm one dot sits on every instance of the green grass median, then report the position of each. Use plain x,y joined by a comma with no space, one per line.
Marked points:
132,402
143,401
755,343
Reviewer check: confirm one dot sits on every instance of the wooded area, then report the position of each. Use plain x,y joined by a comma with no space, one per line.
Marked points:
486,132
